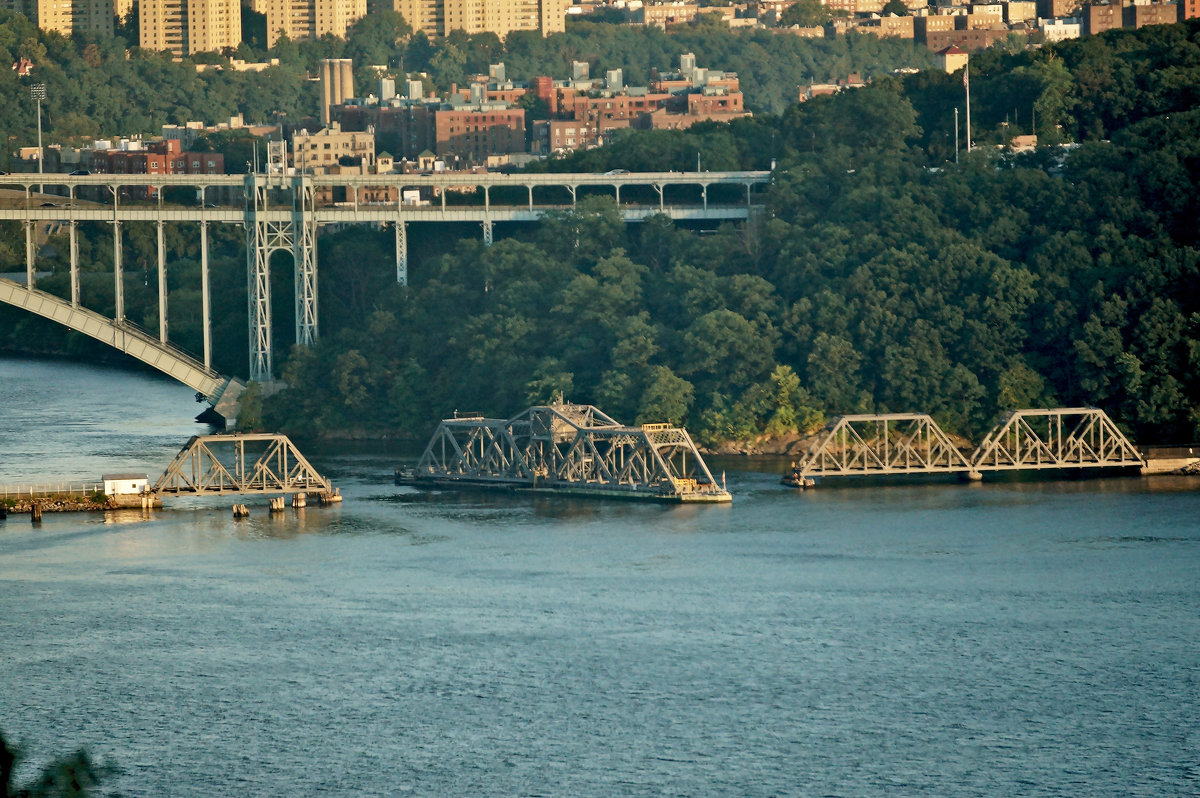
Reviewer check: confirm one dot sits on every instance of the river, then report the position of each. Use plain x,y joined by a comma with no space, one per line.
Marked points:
910,639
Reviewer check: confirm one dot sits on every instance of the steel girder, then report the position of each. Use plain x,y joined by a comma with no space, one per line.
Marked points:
221,464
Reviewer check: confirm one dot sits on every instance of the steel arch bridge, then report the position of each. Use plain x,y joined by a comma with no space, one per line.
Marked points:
221,392
282,212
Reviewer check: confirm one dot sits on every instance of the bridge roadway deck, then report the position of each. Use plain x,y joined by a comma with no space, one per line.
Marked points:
452,179
363,213
31,202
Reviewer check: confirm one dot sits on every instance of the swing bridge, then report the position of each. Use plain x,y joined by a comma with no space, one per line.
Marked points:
912,443
282,213
569,449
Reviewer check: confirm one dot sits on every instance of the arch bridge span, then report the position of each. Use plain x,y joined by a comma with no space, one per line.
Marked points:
220,391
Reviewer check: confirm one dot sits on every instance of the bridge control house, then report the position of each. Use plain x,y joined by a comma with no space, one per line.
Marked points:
125,489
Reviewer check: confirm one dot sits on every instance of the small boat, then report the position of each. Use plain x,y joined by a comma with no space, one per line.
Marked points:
795,478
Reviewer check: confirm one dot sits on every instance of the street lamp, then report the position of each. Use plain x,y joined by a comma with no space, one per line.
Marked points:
38,92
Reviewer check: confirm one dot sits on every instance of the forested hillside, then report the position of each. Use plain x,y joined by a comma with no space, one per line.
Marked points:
881,276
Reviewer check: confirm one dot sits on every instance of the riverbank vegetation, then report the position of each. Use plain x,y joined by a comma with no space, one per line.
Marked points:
71,776
880,275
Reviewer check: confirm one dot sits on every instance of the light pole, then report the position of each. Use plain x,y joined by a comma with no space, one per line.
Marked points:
38,92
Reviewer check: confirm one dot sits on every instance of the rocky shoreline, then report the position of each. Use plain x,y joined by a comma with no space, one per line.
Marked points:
62,505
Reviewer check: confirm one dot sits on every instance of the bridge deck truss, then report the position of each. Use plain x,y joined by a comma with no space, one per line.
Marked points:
1072,437
215,465
900,443
564,447
896,443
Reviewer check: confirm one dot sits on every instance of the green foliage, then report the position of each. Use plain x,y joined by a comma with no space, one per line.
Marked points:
879,277
805,13
71,776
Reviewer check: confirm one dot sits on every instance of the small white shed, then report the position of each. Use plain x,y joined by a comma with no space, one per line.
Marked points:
124,484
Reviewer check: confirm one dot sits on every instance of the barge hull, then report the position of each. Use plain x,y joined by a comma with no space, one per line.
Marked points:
580,491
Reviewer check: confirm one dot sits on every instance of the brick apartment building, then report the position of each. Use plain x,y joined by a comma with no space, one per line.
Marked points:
156,158
484,120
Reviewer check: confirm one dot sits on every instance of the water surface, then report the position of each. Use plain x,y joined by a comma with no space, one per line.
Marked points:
995,639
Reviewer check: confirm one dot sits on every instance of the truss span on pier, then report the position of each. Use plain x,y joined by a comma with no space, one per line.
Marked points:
566,448
216,465
913,443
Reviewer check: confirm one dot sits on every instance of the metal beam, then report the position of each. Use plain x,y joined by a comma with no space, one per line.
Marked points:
401,230
205,296
162,285
118,273
74,246
30,278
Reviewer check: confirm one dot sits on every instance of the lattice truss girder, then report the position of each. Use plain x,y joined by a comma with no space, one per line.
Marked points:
563,443
883,444
304,254
1023,439
218,464
1066,438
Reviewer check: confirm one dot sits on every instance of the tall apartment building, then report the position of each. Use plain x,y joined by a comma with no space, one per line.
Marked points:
66,16
184,27
501,17
1099,17
309,19
1140,15
1059,8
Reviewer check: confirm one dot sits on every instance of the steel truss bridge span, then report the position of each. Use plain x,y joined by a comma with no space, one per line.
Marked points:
567,448
283,213
913,443
216,465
